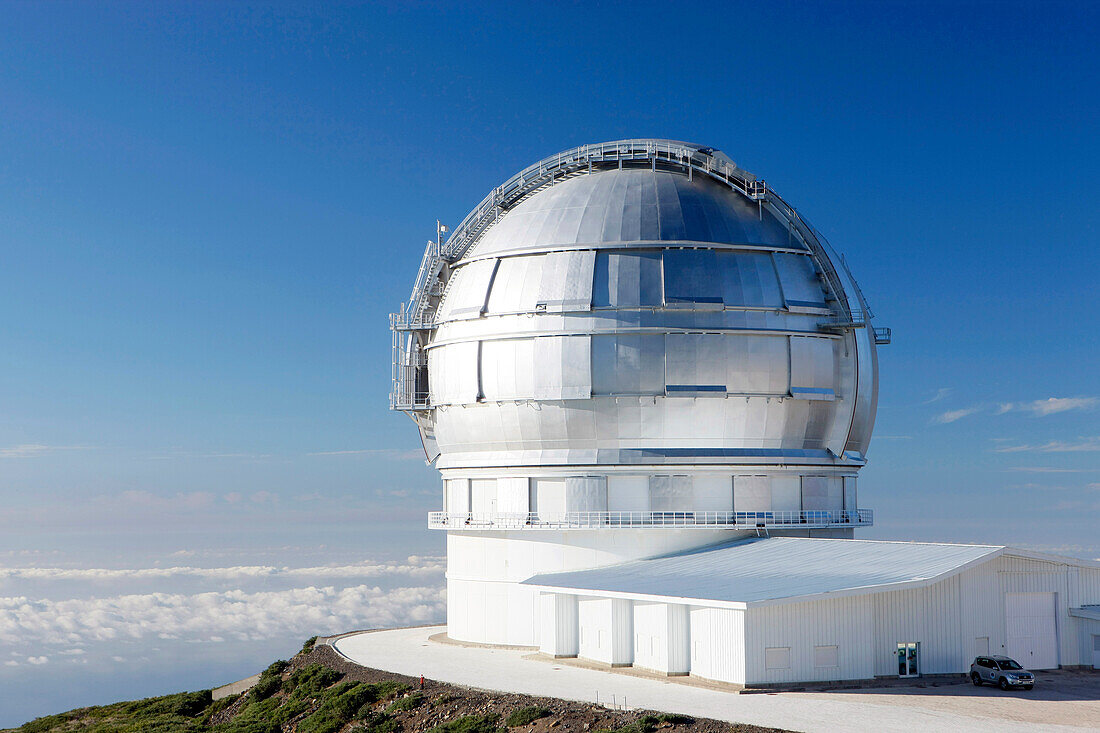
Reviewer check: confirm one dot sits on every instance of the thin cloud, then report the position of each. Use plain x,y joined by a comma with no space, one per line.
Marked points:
941,394
394,453
1048,469
953,415
1049,406
1085,445
34,450
416,566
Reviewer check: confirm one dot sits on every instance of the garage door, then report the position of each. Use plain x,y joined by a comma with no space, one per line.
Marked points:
1031,632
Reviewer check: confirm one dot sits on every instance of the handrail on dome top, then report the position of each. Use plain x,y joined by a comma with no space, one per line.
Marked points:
417,315
537,176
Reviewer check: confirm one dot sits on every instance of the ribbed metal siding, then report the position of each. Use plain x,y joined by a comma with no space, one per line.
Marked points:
931,616
846,623
718,644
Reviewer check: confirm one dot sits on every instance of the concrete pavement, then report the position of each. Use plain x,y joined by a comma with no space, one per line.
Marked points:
410,652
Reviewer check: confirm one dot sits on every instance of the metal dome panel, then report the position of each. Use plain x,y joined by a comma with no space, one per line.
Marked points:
619,207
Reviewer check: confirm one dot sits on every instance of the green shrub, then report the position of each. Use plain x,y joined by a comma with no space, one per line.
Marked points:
276,668
340,705
525,716
183,704
311,679
675,719
409,702
308,646
469,724
378,723
644,724
266,687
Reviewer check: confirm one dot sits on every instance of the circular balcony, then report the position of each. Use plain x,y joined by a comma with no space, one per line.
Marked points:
807,519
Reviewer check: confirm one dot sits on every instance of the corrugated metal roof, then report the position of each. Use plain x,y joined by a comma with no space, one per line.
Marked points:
768,569
1089,612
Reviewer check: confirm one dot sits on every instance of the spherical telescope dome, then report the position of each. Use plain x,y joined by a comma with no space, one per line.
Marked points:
636,333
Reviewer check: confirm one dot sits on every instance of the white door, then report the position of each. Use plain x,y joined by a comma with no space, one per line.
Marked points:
1030,629
483,496
549,499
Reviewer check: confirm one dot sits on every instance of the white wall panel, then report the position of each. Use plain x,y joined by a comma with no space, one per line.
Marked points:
822,493
679,639
513,495
628,493
549,498
718,644
558,625
786,494
670,493
932,616
1031,629
586,494
483,495
752,494
845,623
849,489
596,634
458,495
662,634
622,632
712,493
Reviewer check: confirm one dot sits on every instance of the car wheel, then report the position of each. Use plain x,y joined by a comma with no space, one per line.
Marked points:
1003,684
976,679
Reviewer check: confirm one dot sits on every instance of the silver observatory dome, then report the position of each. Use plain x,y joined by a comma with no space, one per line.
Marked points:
639,331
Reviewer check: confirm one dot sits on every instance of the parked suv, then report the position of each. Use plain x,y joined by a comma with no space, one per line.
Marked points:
1000,671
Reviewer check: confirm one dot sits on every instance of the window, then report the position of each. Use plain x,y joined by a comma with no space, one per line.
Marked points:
777,657
826,656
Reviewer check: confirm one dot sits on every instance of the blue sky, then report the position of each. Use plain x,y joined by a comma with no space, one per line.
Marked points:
208,210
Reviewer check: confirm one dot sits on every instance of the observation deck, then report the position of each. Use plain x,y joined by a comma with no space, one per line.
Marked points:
806,519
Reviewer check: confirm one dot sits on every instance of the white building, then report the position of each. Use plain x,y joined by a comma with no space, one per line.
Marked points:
637,349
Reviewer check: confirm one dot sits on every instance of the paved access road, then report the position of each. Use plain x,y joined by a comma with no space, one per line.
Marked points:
950,708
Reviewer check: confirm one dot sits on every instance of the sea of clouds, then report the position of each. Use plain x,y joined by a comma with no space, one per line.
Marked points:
78,636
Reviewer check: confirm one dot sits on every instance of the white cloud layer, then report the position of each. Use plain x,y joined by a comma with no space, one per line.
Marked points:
206,616
416,567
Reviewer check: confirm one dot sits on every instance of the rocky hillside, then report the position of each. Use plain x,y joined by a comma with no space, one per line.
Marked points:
319,692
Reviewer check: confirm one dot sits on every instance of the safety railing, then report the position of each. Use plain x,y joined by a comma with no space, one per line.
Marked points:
806,519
